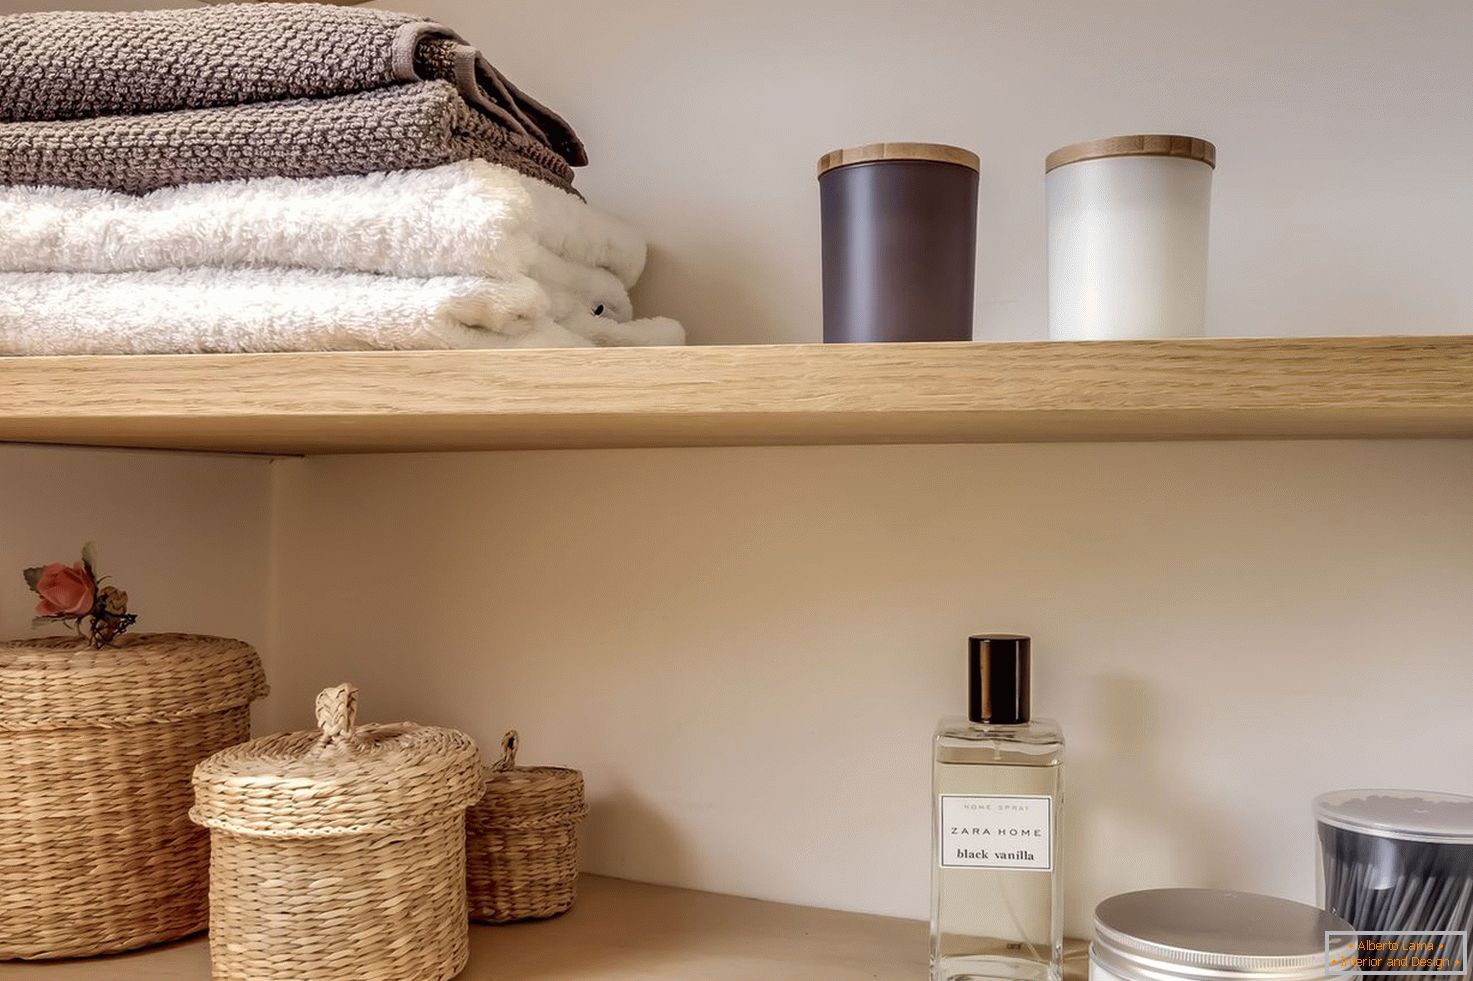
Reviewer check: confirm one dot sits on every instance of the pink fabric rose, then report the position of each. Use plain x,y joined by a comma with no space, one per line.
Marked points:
65,591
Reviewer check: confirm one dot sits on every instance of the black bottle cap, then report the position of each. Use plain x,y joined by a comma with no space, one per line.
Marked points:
998,669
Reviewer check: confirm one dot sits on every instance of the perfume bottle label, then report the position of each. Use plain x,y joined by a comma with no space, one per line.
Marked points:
996,832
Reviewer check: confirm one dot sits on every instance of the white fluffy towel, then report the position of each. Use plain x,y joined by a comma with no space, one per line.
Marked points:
176,311
416,232
465,219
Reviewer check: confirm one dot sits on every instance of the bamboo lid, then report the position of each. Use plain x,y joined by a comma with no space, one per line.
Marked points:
870,152
1150,145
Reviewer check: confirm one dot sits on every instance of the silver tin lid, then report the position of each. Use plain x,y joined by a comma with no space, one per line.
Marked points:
1408,815
1204,934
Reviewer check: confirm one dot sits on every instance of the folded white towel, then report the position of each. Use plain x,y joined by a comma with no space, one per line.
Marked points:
465,219
572,288
469,219
232,310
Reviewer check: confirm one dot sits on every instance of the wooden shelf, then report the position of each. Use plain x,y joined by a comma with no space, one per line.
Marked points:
623,931
758,395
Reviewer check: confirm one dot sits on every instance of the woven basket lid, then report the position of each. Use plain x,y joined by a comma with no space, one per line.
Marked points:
526,796
64,683
341,779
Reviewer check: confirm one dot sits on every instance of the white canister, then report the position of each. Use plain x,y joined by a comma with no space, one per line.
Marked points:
1214,935
1127,237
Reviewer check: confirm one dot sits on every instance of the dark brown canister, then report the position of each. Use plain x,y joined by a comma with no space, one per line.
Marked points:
899,242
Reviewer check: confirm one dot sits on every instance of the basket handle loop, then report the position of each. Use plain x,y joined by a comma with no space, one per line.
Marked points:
337,715
509,744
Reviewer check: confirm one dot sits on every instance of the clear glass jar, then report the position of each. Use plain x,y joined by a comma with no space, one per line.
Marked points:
1400,863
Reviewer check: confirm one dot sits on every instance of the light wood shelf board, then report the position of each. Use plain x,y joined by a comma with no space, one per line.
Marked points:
625,931
1348,387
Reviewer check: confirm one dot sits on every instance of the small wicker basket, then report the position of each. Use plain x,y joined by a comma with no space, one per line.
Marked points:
522,840
339,854
97,854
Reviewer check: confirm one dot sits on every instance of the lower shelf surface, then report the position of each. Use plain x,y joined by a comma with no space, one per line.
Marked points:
624,931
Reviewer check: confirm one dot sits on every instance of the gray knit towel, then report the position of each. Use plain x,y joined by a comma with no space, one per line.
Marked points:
424,124
80,64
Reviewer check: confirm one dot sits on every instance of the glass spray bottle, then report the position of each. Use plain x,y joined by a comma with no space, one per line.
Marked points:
996,788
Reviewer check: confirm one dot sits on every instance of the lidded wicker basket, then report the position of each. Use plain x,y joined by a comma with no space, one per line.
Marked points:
339,854
522,840
97,853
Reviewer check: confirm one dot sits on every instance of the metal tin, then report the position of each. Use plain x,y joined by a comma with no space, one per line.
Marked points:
1212,935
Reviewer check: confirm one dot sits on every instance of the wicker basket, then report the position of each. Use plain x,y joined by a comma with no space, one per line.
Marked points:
522,840
97,854
339,855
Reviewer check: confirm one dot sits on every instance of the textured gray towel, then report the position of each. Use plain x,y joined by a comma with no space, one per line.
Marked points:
80,64
423,124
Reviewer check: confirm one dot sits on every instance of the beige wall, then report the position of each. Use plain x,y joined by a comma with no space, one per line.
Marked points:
187,535
746,649
1340,199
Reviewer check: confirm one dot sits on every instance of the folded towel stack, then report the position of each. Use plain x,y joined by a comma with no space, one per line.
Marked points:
265,177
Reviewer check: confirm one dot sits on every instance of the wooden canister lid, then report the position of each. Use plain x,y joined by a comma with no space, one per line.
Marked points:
871,152
1151,145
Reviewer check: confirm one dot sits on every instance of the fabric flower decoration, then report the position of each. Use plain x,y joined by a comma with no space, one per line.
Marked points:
74,593
65,590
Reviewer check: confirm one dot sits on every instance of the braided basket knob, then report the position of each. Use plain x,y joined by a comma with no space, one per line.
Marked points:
337,714
509,744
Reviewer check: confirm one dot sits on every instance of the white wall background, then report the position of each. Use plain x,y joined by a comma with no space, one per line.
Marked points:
746,649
